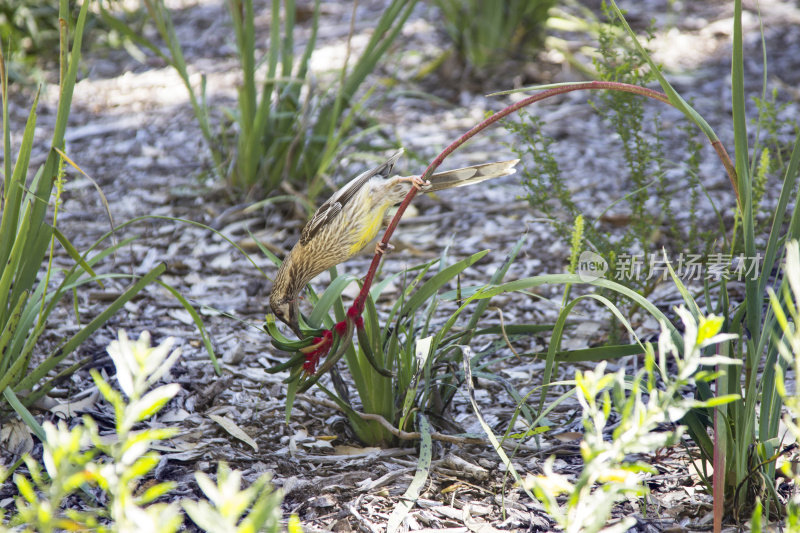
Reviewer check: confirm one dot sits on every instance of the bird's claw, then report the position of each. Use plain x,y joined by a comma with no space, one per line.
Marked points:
416,182
382,248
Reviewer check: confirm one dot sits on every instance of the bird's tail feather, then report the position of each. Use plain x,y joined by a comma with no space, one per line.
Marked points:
469,175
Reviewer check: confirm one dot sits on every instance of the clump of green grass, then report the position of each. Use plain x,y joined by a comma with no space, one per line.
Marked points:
285,128
487,33
28,237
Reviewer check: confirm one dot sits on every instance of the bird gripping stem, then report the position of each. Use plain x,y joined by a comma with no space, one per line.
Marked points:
354,313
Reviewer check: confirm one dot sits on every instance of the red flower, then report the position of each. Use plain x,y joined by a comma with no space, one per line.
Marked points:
341,328
318,349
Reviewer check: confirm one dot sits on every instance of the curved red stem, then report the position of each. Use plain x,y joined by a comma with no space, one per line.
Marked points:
358,306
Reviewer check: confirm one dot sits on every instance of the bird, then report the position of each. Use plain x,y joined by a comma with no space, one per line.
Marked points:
349,220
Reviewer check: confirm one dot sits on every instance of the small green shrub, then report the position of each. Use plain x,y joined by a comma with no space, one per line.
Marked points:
550,193
641,144
652,398
78,458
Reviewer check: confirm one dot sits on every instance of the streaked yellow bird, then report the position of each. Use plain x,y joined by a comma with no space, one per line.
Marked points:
351,218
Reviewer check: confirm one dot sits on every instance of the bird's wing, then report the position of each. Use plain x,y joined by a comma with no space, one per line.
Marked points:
335,203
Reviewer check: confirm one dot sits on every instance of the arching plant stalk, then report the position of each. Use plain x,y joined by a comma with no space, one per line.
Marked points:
344,329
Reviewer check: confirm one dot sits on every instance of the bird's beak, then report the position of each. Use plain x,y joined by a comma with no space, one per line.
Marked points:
293,322
295,326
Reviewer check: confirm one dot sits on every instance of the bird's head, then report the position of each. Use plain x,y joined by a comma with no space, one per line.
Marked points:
283,296
286,310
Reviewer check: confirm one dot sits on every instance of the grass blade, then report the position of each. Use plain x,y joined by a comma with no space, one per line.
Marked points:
69,346
431,286
24,414
15,184
75,254
789,182
420,477
466,351
198,321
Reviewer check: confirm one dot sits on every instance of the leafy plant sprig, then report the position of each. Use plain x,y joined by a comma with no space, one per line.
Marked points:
608,476
78,458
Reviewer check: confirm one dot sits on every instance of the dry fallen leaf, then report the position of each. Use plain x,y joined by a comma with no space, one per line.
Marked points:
568,436
70,408
16,437
231,427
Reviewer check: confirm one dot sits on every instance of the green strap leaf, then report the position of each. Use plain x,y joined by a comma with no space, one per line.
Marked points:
24,414
430,287
420,477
